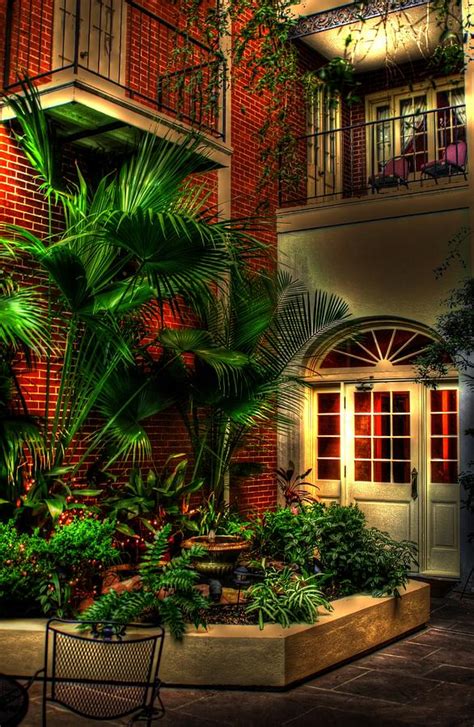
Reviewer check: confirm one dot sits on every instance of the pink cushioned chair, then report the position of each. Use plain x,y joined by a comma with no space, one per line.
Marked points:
452,162
394,173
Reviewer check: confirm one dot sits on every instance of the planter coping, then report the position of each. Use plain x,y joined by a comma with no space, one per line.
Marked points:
244,656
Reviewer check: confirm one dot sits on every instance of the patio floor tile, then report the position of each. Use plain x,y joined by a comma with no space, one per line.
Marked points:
391,687
425,679
452,674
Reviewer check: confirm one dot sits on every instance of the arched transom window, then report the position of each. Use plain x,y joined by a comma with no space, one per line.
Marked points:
378,347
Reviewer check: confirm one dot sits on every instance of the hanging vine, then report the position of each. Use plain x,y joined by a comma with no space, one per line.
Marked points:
257,34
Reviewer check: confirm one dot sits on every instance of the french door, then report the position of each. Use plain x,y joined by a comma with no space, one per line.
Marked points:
90,32
392,449
323,148
383,463
417,126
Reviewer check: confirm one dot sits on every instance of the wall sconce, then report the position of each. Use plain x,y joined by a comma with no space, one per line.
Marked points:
364,385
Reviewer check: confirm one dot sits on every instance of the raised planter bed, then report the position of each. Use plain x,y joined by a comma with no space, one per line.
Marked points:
246,657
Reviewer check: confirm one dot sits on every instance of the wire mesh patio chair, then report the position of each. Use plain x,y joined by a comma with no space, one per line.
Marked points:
107,673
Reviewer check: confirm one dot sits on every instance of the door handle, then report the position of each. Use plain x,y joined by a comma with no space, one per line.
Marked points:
414,483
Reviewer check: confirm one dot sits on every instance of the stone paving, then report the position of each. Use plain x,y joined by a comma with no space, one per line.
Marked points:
424,679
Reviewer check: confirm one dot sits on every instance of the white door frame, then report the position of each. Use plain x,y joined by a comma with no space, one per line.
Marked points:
435,502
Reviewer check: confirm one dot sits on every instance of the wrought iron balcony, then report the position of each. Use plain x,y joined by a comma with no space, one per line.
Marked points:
139,55
403,153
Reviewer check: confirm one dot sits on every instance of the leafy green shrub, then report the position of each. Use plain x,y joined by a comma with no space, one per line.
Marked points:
52,573
287,536
167,591
22,568
286,597
361,558
354,557
81,541
77,554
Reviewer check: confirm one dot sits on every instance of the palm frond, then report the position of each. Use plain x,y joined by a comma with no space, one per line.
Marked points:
38,139
126,401
300,320
152,179
23,317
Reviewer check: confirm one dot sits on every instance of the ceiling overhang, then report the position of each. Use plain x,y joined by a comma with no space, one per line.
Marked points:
402,31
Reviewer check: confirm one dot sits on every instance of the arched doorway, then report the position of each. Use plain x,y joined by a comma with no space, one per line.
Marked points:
376,437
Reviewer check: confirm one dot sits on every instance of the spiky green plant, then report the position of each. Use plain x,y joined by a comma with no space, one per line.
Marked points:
140,240
286,597
257,334
167,591
23,333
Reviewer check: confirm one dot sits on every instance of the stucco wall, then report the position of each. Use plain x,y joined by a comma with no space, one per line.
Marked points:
381,267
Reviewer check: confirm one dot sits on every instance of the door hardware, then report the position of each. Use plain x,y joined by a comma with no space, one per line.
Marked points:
414,483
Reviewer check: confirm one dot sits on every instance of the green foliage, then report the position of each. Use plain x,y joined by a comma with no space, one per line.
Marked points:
448,58
220,518
23,566
286,597
37,138
352,557
83,540
55,595
167,592
455,345
361,558
23,329
264,324
141,238
45,572
338,79
160,496
287,536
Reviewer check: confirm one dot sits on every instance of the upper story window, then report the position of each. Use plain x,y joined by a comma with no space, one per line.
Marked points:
417,126
404,139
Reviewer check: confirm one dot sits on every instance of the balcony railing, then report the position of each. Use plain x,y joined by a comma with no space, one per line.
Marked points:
402,153
126,45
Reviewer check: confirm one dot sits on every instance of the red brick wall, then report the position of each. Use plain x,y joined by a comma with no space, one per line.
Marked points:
22,204
31,38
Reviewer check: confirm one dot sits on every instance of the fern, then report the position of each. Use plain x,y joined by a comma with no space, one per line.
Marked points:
154,553
168,591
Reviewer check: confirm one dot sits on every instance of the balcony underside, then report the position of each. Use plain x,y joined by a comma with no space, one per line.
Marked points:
404,31
107,69
90,117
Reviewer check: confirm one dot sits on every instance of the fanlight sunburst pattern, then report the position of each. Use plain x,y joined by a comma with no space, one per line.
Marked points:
378,347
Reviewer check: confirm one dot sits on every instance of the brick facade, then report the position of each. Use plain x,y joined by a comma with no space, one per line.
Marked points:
21,202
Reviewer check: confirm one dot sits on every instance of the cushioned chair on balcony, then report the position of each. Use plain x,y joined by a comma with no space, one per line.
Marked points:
452,162
106,673
394,173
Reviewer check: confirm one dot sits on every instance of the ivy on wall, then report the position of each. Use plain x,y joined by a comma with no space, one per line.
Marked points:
257,34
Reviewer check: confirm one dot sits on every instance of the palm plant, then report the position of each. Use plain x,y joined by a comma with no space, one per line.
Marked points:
137,243
257,333
23,332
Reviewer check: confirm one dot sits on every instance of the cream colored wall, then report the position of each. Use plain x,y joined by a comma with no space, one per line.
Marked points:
383,267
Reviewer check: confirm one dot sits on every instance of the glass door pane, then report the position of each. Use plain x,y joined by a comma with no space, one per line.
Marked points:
328,436
382,441
414,131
